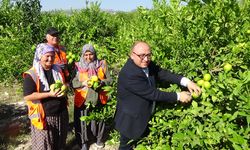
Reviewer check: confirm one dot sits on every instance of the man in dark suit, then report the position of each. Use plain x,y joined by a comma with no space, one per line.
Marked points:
137,93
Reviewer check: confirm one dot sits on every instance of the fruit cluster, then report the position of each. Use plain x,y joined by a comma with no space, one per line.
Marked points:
59,86
93,82
71,57
207,77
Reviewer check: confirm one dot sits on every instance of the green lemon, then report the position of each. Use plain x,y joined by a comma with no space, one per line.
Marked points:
70,61
58,84
70,53
207,77
58,81
67,57
194,95
73,56
52,87
200,82
207,84
227,67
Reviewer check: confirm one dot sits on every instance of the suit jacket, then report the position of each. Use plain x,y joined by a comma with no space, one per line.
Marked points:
136,95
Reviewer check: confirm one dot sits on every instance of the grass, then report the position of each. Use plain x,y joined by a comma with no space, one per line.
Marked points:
11,93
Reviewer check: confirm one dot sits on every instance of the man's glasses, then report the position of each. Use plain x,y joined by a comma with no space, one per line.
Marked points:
142,56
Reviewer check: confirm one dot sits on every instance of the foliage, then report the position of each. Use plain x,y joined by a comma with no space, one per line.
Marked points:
18,27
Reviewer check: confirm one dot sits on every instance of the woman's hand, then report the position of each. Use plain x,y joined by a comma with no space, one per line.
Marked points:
54,93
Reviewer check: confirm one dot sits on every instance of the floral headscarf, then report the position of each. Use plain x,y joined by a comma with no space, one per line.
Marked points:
42,49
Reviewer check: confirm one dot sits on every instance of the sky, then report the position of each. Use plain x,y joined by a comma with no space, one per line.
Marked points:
116,5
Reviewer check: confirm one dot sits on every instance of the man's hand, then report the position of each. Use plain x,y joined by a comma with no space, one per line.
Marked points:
192,87
185,97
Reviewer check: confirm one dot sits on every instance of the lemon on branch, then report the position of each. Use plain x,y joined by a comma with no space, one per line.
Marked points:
227,67
70,61
194,95
206,77
71,57
200,82
207,84
69,54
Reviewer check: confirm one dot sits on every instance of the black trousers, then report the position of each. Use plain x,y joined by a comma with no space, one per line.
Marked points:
126,143
85,132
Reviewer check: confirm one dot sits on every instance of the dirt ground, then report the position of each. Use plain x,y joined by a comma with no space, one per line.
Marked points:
14,123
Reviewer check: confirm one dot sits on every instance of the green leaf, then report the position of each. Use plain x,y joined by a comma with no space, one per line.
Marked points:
237,147
244,67
221,85
83,118
194,104
234,116
248,121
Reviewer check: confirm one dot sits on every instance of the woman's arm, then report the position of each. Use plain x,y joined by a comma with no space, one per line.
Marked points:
40,96
30,90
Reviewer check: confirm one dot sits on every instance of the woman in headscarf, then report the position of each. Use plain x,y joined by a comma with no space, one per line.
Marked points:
89,68
52,38
47,109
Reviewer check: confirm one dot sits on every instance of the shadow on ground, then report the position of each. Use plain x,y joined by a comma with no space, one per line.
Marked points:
72,144
13,123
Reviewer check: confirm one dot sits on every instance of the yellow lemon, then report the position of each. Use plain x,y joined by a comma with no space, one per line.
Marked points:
64,88
52,87
90,83
94,78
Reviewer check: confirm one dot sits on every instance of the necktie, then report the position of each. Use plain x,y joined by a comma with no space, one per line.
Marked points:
146,71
